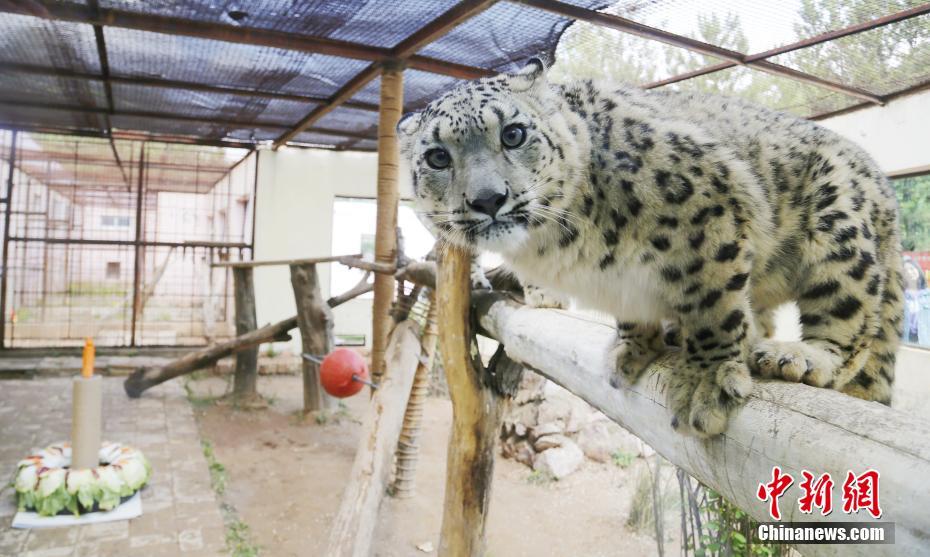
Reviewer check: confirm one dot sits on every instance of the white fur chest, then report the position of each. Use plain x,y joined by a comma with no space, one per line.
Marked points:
627,291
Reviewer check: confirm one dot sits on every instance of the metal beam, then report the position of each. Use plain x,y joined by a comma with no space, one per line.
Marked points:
7,210
129,136
48,9
694,45
148,81
179,118
344,93
404,50
811,41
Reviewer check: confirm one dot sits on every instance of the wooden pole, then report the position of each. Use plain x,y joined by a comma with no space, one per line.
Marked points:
392,94
315,320
476,414
137,248
408,446
244,384
354,524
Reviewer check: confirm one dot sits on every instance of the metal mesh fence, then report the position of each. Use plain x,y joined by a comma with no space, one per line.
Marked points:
120,249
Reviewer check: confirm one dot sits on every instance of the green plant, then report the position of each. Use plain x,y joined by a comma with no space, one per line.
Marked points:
237,540
217,470
716,527
271,351
622,458
538,477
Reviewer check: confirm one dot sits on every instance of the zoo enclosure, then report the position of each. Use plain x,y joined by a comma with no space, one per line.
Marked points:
116,241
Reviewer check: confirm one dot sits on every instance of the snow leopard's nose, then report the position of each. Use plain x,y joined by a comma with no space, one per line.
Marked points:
488,201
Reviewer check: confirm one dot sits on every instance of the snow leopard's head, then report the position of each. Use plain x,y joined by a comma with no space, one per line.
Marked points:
493,160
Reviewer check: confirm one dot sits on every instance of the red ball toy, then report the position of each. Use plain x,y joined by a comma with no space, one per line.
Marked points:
343,373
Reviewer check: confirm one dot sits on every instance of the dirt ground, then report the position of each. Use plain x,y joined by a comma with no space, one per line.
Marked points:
286,475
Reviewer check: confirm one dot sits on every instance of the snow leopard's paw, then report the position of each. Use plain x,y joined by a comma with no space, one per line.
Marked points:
703,400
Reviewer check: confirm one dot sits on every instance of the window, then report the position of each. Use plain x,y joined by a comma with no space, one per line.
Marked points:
913,194
354,232
113,270
114,221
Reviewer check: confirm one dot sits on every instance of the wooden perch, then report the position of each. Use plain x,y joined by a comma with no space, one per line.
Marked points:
794,426
476,415
147,377
354,525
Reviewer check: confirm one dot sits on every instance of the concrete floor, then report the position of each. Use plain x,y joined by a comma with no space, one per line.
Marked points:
180,512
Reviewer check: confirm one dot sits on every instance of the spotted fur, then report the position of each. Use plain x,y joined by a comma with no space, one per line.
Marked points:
666,206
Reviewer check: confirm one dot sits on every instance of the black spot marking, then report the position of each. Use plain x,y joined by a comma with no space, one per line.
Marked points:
733,320
821,290
846,308
736,282
727,252
671,274
661,243
711,298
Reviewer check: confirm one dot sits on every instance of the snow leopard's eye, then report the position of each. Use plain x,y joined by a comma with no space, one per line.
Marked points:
513,136
438,159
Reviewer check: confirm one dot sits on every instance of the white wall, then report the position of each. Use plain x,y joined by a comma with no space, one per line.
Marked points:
294,218
296,188
895,134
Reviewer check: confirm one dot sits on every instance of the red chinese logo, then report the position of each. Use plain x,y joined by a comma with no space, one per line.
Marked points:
817,493
773,490
861,492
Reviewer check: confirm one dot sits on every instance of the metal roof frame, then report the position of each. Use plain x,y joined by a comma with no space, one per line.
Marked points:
404,53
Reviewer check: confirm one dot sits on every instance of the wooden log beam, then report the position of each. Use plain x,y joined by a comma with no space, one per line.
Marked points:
298,261
794,426
146,377
476,415
354,525
245,383
392,99
315,320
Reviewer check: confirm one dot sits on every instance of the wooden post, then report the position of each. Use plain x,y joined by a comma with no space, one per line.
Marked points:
392,94
315,320
354,524
244,384
476,414
408,446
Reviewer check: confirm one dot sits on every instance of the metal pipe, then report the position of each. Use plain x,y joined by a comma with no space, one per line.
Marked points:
6,238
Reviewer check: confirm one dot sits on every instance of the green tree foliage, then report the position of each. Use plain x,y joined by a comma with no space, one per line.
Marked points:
914,212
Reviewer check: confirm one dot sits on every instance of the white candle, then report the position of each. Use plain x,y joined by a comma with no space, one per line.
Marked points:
86,421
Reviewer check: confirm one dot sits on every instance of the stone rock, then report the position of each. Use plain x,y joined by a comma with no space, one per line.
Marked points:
523,453
601,439
559,462
544,429
532,388
550,441
519,429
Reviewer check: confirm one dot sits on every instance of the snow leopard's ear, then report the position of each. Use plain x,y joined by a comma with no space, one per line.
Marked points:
532,75
409,123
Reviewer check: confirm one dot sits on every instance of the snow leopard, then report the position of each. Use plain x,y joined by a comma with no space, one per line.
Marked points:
661,206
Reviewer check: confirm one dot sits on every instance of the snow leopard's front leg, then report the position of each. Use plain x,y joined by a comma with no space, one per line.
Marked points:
711,378
637,346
